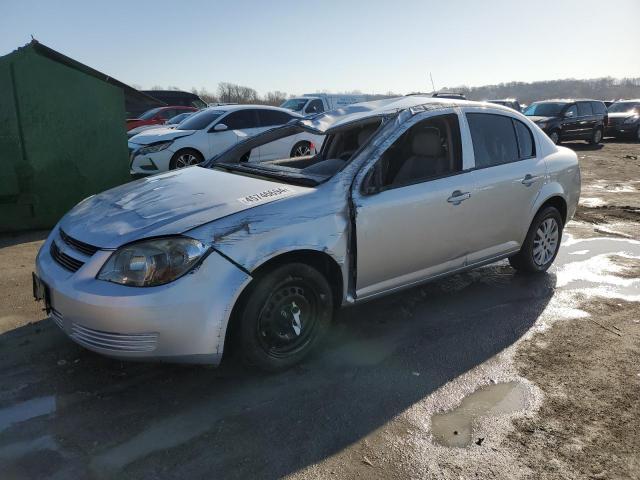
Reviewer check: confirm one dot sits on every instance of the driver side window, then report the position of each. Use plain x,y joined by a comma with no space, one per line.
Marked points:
571,112
428,150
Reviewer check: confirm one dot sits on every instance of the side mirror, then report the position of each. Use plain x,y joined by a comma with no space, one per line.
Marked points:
221,127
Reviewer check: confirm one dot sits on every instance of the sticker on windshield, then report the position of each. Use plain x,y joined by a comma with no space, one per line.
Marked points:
266,195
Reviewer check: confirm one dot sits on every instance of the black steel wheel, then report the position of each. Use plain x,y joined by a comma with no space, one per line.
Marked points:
286,313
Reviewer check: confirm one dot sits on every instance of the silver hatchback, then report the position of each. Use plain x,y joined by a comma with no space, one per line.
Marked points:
403,191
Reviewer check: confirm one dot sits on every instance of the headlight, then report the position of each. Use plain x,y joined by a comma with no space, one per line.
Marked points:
633,119
152,262
156,147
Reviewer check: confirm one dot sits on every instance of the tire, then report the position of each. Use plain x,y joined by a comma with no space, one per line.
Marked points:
554,135
596,136
529,258
285,315
185,158
301,149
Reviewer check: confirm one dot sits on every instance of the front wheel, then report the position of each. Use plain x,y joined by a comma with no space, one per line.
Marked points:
185,158
541,244
287,312
596,137
301,149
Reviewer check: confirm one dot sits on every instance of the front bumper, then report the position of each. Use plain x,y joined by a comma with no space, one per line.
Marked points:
183,321
148,164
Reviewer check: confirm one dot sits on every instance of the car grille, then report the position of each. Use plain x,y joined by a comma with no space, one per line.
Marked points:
77,244
115,342
63,259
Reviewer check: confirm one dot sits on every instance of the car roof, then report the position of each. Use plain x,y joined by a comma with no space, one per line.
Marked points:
567,100
234,107
360,111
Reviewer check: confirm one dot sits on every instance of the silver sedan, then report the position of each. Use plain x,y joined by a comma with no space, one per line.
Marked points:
403,191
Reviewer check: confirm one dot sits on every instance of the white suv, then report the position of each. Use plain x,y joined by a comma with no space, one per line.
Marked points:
213,130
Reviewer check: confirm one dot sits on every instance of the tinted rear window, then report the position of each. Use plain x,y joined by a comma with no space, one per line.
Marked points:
525,140
584,109
271,118
599,108
494,139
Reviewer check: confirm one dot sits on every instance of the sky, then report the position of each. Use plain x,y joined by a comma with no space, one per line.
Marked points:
298,46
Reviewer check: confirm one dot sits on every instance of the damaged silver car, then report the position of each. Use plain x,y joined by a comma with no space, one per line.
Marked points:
402,191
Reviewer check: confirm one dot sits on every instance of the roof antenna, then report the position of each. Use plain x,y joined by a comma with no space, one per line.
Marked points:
432,84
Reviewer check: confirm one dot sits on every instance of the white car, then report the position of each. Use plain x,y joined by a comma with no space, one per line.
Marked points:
213,130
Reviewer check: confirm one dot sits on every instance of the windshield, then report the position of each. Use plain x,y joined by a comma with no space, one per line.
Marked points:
177,119
295,104
200,120
148,115
546,109
621,107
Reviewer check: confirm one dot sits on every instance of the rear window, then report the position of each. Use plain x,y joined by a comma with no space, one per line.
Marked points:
494,139
599,108
550,109
271,118
525,140
584,109
200,120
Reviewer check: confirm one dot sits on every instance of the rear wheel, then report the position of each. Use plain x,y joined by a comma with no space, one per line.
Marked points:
301,149
287,312
555,137
596,136
541,244
185,158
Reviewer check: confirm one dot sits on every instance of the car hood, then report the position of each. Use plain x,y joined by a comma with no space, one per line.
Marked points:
160,134
537,119
168,204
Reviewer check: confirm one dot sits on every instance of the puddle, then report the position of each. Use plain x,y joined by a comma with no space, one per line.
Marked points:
20,412
455,428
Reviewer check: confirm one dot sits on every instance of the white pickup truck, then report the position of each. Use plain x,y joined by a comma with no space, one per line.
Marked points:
312,103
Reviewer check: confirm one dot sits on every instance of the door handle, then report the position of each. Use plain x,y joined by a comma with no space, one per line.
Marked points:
529,179
458,197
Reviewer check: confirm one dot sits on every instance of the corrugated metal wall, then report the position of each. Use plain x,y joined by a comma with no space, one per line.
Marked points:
62,138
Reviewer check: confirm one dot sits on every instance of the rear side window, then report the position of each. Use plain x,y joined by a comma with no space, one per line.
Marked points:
599,108
271,118
494,139
584,109
526,147
241,119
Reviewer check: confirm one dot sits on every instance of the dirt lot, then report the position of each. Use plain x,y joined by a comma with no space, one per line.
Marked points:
488,374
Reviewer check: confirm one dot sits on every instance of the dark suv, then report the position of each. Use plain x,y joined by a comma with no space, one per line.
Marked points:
570,119
624,119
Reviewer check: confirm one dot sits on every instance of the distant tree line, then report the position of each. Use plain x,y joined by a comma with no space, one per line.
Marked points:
606,88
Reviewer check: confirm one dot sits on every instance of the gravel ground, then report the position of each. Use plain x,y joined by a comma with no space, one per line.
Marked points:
554,362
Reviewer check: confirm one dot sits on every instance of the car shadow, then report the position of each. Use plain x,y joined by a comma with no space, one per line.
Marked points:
15,238
582,146
114,418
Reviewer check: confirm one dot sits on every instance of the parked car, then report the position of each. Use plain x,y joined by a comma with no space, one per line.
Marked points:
508,102
624,120
313,103
157,116
171,123
570,119
403,191
211,131
177,97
